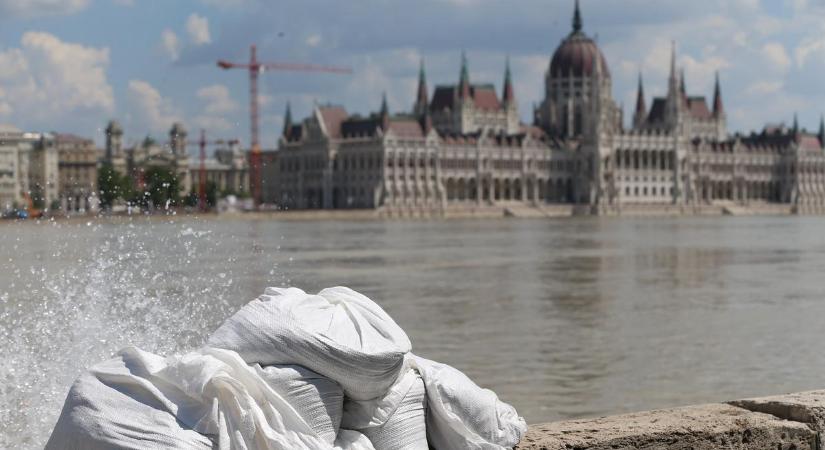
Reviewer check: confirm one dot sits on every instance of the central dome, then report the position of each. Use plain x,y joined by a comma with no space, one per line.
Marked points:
577,53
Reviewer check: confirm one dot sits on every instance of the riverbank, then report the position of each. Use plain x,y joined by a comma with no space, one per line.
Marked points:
784,422
468,211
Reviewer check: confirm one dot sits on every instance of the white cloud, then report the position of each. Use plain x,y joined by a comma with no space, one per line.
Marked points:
760,88
313,40
46,80
217,99
198,29
148,110
170,43
38,8
776,55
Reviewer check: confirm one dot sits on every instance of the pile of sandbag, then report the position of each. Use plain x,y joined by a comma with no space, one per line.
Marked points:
288,371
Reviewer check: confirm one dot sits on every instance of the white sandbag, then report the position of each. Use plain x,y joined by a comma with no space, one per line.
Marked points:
462,415
212,392
395,421
105,411
352,440
319,400
338,333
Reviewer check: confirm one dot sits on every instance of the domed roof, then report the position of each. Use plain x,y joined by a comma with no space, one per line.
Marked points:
577,53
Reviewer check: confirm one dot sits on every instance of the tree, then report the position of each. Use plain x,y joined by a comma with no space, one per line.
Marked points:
211,194
193,198
162,186
112,186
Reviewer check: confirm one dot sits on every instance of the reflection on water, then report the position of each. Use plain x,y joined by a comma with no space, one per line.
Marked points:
563,318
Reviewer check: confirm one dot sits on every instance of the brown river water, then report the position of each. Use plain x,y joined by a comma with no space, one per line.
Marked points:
562,318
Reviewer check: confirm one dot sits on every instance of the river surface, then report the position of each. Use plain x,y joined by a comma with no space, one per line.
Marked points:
562,318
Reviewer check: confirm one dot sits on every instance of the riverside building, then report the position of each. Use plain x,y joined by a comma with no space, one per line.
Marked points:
28,170
464,148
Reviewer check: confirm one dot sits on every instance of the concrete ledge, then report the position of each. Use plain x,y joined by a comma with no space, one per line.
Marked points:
714,426
804,407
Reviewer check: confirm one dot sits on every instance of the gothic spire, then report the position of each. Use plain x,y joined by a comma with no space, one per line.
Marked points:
577,19
464,83
672,80
641,110
718,108
385,112
421,98
795,124
287,121
821,131
507,90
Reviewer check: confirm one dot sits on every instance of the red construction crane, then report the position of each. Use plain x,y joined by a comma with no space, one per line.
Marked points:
255,67
202,143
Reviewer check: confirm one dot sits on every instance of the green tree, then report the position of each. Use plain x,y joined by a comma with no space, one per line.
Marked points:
211,194
112,186
162,186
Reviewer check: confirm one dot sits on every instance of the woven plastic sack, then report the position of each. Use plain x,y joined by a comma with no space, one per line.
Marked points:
338,333
352,440
395,421
460,414
319,400
110,407
207,399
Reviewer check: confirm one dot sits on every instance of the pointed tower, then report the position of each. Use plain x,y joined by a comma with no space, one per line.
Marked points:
577,19
675,99
673,80
384,115
821,131
718,108
464,80
421,102
795,129
640,116
508,97
287,133
719,111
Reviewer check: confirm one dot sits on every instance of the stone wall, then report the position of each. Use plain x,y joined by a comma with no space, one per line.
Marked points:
784,422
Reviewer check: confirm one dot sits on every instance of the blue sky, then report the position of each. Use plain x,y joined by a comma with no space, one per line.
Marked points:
71,65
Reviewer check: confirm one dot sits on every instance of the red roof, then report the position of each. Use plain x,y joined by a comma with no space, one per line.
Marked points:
698,108
809,142
407,127
484,97
332,116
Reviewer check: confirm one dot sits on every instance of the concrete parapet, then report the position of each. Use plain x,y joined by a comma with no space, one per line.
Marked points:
703,427
804,407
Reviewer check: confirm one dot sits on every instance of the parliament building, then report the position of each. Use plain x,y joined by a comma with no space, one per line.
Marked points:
464,148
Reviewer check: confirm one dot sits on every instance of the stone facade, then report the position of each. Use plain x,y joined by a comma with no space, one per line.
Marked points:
78,159
136,160
228,169
464,148
28,169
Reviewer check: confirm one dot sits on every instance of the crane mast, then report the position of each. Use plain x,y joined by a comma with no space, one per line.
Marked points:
255,67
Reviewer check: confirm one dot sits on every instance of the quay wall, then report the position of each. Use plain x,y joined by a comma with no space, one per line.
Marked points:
782,422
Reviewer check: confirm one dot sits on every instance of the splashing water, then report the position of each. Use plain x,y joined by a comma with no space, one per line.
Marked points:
65,307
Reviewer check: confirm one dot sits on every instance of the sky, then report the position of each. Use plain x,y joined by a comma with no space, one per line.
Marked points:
72,65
